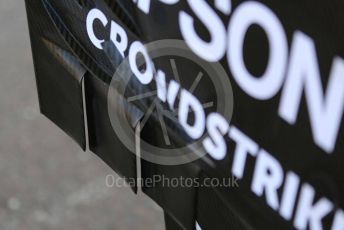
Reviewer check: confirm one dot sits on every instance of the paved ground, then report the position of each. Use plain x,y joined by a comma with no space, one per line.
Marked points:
46,181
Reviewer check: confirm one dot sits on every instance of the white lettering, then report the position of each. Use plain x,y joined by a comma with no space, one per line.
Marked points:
187,100
146,76
91,17
244,146
119,37
325,113
307,212
268,177
247,14
211,51
215,144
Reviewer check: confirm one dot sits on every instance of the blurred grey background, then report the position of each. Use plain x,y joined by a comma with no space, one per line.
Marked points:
46,181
